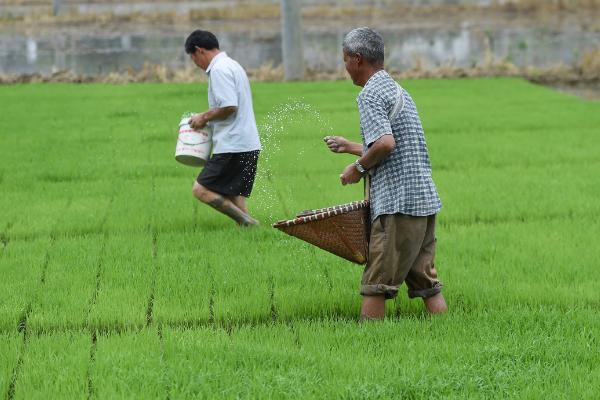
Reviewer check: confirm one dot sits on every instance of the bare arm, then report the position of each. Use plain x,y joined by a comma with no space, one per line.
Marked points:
199,120
378,151
339,144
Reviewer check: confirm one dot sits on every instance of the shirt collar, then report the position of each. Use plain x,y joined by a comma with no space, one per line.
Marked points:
373,78
215,60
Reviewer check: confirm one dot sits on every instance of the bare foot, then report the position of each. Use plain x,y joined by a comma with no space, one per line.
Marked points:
436,304
372,308
248,222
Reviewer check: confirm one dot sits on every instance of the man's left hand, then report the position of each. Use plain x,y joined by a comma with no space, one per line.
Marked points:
198,121
350,175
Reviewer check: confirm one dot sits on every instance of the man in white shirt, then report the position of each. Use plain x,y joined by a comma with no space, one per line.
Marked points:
227,178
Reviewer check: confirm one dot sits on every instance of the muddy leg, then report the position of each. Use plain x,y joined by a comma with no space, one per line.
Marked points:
223,205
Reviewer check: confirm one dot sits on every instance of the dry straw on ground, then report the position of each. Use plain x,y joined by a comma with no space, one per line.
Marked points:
268,10
585,72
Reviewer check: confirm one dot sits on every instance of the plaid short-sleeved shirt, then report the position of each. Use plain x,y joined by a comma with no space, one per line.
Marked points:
402,182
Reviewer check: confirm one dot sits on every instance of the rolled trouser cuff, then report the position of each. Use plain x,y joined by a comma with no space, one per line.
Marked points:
380,289
426,293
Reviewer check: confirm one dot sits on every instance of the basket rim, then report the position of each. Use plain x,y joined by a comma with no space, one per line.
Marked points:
323,213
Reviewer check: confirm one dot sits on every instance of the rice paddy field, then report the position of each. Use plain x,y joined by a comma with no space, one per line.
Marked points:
116,283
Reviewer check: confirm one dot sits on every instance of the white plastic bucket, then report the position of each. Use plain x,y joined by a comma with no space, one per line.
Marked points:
193,147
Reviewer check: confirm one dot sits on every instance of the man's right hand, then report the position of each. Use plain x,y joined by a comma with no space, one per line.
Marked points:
337,144
198,121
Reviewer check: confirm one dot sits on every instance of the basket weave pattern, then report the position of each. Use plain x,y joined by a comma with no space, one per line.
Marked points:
342,230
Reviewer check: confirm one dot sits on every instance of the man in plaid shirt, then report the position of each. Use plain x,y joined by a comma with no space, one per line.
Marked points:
403,197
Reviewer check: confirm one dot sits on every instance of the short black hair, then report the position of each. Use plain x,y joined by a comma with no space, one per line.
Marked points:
199,38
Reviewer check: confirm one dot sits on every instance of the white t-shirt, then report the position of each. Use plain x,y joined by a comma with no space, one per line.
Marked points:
228,86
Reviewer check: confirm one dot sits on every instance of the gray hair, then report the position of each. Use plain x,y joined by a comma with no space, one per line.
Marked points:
366,42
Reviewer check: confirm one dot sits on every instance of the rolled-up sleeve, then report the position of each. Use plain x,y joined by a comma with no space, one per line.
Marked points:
374,119
223,88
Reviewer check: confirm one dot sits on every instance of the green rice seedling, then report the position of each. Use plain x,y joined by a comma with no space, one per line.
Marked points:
533,263
292,134
55,366
508,147
242,281
542,193
87,210
191,367
128,365
124,294
344,299
311,283
184,281
70,282
286,195
28,216
345,356
131,208
21,266
200,363
317,359
10,348
516,105
173,204
516,168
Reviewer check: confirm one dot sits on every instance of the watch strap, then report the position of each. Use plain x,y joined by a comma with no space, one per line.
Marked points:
359,167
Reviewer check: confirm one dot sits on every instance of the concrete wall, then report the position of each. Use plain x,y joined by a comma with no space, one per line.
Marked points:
19,8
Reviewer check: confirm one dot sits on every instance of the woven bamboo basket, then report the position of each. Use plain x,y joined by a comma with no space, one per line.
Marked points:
342,230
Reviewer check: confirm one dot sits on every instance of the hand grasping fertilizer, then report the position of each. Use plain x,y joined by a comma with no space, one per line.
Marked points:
337,144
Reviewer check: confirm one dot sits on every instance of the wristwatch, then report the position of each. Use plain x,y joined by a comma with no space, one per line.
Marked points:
360,168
